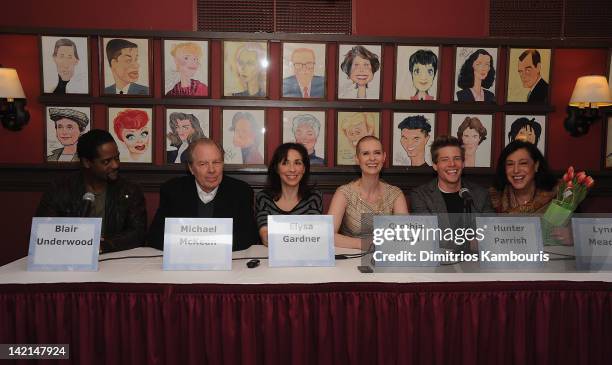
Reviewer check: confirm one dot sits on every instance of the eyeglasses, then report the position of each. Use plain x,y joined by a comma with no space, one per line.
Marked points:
307,65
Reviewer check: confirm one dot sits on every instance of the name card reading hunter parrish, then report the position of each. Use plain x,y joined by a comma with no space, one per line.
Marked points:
198,244
64,244
511,242
593,243
301,240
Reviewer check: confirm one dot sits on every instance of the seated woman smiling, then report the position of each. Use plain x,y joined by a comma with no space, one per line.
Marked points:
523,183
287,190
368,194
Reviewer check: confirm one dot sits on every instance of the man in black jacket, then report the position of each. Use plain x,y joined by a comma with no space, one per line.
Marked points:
119,203
207,193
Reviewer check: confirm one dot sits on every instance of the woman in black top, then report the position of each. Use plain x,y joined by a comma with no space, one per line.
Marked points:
287,191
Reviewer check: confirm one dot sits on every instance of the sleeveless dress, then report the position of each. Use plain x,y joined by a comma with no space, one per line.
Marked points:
353,224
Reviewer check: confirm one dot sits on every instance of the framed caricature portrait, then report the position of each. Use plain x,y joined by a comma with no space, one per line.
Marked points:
132,128
475,132
475,74
185,68
304,70
65,65
530,128
528,75
416,73
243,136
183,126
126,66
351,126
607,158
64,126
413,134
245,69
359,68
306,127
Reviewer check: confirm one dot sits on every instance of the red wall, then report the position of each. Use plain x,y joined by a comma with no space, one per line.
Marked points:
440,18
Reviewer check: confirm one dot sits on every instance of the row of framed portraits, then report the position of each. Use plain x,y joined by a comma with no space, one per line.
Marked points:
127,66
243,134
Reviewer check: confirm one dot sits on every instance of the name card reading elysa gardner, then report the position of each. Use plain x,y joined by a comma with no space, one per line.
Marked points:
64,244
301,240
198,244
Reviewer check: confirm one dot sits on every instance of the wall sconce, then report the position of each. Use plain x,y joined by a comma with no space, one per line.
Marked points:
12,100
591,93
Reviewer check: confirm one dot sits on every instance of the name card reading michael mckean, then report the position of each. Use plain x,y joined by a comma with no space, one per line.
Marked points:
301,240
511,242
593,243
198,244
64,244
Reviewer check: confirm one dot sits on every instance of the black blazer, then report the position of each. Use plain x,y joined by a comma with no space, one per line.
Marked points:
178,198
466,95
539,94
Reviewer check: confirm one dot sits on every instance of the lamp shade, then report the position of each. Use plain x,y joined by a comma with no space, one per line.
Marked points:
591,91
10,87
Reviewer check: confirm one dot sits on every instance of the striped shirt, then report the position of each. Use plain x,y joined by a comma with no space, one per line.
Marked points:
265,205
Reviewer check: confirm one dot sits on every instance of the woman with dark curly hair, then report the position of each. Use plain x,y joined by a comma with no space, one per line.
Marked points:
523,182
287,190
476,76
359,65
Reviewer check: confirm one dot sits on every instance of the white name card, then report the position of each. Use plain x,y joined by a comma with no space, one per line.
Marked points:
593,243
64,244
401,241
198,244
301,240
511,242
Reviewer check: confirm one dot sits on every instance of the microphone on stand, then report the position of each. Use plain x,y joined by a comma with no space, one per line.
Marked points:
464,193
88,200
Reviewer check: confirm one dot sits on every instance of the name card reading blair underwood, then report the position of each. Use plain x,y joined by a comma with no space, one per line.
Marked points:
64,244
198,244
593,243
511,242
301,240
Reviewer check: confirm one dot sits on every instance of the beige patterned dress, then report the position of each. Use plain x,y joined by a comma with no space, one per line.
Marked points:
353,224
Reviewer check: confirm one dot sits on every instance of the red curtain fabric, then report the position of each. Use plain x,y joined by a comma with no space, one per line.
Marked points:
336,323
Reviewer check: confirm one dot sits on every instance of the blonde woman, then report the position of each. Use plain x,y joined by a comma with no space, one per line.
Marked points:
187,56
368,194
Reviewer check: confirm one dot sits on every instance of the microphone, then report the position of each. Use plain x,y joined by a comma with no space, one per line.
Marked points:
464,193
88,200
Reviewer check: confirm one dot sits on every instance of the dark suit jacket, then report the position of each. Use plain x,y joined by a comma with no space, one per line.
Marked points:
133,89
178,198
427,199
291,87
466,95
539,94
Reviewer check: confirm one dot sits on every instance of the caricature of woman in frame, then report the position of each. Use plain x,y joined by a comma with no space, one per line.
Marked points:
183,127
185,68
417,69
245,69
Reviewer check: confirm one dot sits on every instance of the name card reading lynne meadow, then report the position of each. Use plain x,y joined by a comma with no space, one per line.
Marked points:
198,244
301,240
593,243
64,244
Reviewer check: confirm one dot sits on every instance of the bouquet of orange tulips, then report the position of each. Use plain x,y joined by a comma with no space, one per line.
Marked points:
572,191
